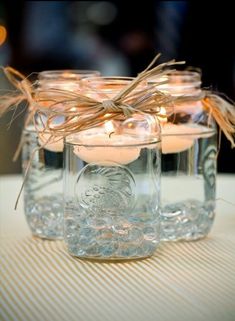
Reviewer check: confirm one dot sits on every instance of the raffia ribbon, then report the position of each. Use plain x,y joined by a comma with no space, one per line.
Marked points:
88,112
223,112
82,112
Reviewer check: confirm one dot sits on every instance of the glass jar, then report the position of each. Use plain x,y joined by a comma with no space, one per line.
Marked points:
64,79
189,150
112,186
43,189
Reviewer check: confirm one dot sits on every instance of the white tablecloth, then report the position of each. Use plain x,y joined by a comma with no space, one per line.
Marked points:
182,281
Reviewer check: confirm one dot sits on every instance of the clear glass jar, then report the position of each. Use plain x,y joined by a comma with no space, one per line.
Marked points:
64,79
189,149
112,186
43,189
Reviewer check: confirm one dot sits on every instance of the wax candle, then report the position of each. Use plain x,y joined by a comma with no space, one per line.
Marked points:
177,138
106,147
52,144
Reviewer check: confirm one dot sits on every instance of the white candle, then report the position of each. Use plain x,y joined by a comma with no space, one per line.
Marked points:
178,138
106,147
54,145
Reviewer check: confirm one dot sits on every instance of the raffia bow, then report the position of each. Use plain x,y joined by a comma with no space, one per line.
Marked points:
82,112
87,111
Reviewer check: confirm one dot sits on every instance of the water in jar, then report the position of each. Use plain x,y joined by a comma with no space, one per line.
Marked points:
111,209
188,188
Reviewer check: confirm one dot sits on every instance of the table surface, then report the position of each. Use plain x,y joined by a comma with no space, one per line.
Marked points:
182,281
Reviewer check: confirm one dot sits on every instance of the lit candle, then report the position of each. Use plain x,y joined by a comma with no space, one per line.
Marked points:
178,138
52,144
106,147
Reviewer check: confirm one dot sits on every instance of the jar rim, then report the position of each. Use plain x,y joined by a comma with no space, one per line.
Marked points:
109,84
148,141
106,80
67,74
180,77
179,82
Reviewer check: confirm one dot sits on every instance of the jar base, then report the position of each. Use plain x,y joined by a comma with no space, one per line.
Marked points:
47,238
110,260
185,239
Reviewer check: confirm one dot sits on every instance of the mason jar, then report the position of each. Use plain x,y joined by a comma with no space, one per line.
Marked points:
112,185
189,153
43,189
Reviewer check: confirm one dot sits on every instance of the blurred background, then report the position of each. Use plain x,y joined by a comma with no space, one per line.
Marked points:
115,38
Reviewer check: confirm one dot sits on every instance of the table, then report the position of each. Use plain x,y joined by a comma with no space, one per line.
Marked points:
182,281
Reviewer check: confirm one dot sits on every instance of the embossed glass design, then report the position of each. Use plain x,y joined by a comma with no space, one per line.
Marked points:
111,190
43,189
189,148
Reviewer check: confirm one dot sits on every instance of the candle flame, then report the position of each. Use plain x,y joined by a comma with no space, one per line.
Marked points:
162,115
68,74
106,115
109,128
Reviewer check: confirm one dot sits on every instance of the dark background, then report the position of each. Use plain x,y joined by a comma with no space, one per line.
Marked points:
121,38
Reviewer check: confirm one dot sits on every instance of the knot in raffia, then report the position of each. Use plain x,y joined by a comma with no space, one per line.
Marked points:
110,106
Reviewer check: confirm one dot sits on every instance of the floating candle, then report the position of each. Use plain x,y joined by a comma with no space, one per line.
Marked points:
179,137
106,147
54,144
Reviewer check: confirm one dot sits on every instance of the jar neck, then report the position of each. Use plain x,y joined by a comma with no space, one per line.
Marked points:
181,83
64,79
103,88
